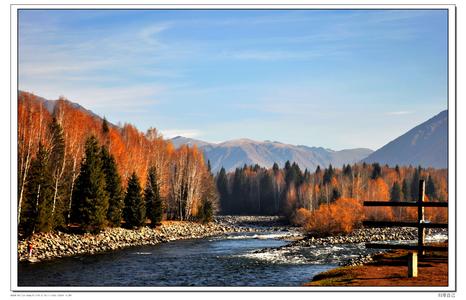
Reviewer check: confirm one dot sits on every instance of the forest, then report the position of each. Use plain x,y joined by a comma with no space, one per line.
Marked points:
330,200
75,169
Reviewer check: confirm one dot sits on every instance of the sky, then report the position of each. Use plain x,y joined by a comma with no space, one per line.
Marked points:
337,79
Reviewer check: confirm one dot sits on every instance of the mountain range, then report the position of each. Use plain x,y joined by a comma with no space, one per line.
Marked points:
425,145
236,153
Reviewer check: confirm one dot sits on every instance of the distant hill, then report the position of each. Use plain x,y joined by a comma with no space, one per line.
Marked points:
180,140
236,153
424,145
50,105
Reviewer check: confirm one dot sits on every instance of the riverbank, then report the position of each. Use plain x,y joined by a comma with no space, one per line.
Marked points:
388,269
47,246
344,249
362,235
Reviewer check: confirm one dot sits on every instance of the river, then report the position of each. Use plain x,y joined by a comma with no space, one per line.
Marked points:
262,259
246,259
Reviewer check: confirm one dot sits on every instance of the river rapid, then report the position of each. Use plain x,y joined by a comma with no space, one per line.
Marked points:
263,258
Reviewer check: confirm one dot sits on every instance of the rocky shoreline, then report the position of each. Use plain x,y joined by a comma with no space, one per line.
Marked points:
47,246
365,235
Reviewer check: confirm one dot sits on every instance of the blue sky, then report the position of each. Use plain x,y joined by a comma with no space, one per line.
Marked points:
333,78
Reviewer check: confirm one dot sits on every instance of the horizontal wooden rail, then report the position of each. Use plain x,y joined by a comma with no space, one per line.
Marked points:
406,247
421,226
406,204
403,224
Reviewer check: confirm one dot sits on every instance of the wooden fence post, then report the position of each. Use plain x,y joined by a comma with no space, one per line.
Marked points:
421,231
412,264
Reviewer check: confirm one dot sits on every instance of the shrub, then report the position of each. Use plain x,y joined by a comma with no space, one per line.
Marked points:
302,217
342,216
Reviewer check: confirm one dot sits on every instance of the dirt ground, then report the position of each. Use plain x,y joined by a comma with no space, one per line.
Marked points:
389,269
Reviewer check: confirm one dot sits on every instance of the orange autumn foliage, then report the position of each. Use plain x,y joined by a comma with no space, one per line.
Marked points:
379,191
133,150
436,214
302,217
342,216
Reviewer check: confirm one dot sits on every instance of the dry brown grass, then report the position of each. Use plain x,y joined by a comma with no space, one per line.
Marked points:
389,269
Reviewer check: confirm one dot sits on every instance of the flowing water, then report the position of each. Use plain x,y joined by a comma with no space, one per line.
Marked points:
252,259
222,261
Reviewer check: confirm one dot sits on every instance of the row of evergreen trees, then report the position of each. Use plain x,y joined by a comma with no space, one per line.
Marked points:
410,191
98,199
257,190
41,210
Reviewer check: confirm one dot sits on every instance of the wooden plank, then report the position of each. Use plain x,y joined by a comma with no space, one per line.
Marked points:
405,247
403,224
405,204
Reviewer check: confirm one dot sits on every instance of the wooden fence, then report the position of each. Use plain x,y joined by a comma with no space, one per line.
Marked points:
421,226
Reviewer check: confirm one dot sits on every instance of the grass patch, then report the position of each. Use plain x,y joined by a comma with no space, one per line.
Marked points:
335,277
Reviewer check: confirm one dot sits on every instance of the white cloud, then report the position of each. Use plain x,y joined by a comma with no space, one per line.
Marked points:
149,33
189,133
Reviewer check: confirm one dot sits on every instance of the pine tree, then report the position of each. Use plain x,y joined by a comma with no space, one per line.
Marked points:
222,187
415,184
405,190
37,213
154,207
395,193
206,213
431,190
376,171
328,174
210,197
113,187
56,165
105,128
287,165
134,212
335,194
91,197
293,175
347,170
266,194
238,192
318,170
